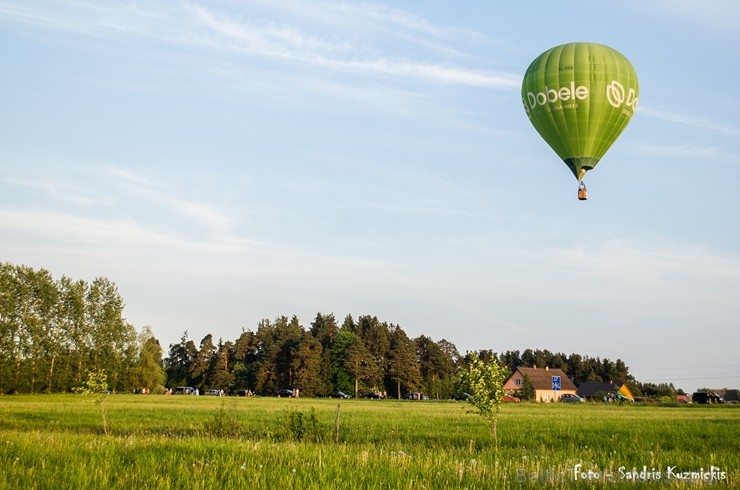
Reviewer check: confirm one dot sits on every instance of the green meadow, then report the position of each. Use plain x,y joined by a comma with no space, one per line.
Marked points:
154,441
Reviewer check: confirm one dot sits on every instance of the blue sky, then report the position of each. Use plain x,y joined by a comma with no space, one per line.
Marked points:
228,161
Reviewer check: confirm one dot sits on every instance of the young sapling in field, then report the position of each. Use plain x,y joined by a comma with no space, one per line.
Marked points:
95,390
484,382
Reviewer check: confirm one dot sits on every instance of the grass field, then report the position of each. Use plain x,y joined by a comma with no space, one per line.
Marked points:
56,441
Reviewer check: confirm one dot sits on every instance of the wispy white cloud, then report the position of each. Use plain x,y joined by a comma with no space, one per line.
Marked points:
289,42
101,189
360,15
602,268
156,195
264,38
196,26
717,14
127,244
92,19
61,227
61,192
689,120
114,172
657,263
393,16
436,72
685,150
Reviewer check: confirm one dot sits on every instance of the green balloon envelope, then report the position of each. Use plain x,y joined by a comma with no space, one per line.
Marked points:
580,97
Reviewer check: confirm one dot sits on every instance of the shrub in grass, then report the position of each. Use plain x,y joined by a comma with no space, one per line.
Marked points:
668,401
224,422
304,426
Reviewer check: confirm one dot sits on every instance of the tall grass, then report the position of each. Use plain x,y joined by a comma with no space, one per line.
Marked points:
56,441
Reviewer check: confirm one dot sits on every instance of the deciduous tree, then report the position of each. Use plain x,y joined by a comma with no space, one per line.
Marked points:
485,384
148,371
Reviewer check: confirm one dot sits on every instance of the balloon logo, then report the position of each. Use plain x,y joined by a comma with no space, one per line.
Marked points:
580,97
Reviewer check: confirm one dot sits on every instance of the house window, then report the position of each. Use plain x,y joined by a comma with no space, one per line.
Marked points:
518,382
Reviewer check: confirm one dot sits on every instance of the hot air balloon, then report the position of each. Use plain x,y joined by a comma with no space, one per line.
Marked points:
580,97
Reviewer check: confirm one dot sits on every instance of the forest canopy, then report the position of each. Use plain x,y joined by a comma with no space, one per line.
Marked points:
53,332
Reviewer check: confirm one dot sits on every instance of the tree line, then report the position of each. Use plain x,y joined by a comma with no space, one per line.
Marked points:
54,332
355,357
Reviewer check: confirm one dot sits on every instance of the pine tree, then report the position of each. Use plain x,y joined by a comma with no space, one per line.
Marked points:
341,377
221,373
245,361
201,364
434,368
403,369
179,362
306,366
376,337
527,391
324,328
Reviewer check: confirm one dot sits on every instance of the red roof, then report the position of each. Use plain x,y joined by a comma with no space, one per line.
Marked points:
541,378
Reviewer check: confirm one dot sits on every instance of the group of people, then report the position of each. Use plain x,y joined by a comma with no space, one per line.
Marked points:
189,390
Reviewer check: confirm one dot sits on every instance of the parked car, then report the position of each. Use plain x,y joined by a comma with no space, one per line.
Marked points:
184,390
338,394
285,392
706,397
416,395
460,395
375,395
570,398
214,393
511,399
